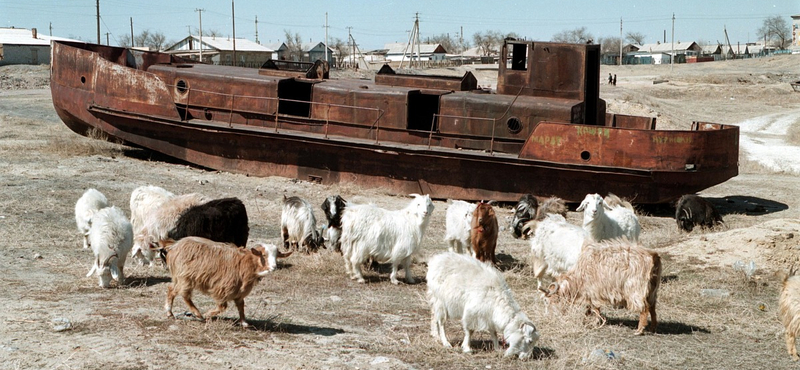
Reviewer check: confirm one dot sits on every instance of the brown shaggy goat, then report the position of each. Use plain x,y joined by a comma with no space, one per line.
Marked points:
220,270
618,273
789,310
483,234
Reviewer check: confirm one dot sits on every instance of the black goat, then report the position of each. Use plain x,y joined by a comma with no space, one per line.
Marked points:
524,211
692,210
221,220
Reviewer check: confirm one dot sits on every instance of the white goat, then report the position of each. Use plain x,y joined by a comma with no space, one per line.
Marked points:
90,202
145,200
461,287
111,238
555,246
459,224
157,225
609,218
299,226
789,310
385,236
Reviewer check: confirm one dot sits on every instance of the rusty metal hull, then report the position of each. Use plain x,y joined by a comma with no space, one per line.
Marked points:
139,105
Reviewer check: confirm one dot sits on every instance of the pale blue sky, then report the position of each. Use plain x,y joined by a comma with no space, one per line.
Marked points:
377,22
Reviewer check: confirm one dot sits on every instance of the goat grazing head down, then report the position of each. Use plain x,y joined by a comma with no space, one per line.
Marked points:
524,211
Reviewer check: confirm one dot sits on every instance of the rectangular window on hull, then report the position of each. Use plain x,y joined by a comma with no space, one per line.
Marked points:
421,110
519,57
294,96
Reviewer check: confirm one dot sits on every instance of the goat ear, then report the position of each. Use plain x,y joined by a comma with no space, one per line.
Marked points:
257,251
582,206
606,206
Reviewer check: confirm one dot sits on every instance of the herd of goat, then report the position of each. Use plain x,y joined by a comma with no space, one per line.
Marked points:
600,263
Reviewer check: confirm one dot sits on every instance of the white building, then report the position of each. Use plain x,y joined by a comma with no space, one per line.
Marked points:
24,46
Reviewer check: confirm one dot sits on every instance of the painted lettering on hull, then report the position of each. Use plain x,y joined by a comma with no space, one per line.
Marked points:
593,131
547,140
672,140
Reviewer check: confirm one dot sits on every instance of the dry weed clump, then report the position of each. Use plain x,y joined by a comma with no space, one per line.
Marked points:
95,143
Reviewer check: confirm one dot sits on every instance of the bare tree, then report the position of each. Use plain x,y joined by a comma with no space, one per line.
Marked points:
775,29
294,46
636,38
145,38
342,50
125,41
574,36
489,42
609,44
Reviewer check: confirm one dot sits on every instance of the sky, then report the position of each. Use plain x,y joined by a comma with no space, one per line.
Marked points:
375,23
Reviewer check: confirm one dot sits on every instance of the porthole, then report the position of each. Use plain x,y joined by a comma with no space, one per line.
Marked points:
182,87
514,125
83,79
207,114
586,156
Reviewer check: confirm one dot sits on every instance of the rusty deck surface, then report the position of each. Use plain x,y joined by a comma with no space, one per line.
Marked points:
441,138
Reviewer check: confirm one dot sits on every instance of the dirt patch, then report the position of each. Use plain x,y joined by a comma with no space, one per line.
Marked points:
309,315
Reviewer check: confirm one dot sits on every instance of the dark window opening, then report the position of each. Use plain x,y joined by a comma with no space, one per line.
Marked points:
586,156
519,57
421,111
295,97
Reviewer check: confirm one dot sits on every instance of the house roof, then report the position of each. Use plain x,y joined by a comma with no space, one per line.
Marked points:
225,44
738,49
710,48
666,47
24,36
399,48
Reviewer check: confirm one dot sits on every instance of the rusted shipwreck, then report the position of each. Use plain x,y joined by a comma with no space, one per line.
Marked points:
544,130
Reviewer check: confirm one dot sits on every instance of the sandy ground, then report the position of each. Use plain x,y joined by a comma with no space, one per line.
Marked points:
309,315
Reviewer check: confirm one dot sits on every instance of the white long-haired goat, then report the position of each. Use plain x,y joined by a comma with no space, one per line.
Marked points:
385,236
299,225
111,238
609,218
145,200
461,287
90,202
458,225
555,246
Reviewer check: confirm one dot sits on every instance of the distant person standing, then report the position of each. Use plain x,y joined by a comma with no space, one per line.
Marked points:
610,79
614,82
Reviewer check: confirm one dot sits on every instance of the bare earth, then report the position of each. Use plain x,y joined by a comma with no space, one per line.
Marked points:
309,315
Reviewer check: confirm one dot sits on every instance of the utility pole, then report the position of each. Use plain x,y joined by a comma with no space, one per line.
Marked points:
107,38
98,22
51,29
133,43
672,57
200,13
233,21
416,27
257,31
326,37
350,41
620,41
